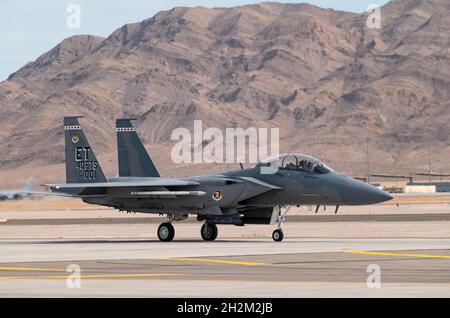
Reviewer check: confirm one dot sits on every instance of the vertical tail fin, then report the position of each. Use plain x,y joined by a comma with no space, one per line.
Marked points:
81,164
134,160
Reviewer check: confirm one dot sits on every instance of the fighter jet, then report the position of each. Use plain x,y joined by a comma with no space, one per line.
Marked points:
17,194
257,195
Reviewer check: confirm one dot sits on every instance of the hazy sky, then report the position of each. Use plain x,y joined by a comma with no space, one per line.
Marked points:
29,28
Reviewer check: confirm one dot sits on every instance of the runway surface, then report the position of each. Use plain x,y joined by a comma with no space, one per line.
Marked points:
226,268
433,217
323,255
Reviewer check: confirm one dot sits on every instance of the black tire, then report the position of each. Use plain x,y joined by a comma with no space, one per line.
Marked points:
277,235
166,232
209,232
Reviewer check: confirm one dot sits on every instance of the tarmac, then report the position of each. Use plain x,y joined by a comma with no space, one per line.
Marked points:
388,251
226,268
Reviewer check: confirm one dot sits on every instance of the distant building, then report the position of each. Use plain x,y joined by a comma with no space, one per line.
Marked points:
420,188
427,187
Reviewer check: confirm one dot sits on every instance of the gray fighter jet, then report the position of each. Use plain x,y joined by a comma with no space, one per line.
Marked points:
257,195
17,194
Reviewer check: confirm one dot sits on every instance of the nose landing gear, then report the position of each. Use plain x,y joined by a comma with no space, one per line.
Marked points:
277,235
281,212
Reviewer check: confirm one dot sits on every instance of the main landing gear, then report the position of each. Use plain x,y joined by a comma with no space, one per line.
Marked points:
209,231
166,231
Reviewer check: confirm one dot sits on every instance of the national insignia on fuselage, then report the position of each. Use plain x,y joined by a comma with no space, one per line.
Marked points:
217,195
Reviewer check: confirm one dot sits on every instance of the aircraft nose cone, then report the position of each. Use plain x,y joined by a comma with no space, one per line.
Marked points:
360,193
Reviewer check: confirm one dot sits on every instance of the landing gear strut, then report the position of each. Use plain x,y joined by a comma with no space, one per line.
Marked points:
209,232
166,231
278,235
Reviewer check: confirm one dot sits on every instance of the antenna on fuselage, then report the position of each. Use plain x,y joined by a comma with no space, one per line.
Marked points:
337,208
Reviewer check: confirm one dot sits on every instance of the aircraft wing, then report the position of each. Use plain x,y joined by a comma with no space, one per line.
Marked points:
99,189
62,194
249,187
153,182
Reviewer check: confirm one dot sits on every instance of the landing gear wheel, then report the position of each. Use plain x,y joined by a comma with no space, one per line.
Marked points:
209,232
166,232
277,235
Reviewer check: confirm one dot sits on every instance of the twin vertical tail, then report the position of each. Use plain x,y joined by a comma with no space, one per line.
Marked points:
134,160
81,164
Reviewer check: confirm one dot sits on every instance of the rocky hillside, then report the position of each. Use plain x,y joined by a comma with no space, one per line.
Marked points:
322,76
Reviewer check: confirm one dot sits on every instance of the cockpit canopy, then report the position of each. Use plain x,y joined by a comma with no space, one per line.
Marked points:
297,162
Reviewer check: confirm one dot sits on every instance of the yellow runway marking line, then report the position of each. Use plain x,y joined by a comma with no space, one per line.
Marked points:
91,276
30,269
399,254
220,261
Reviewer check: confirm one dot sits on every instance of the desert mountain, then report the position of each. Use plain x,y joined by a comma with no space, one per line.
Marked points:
322,76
